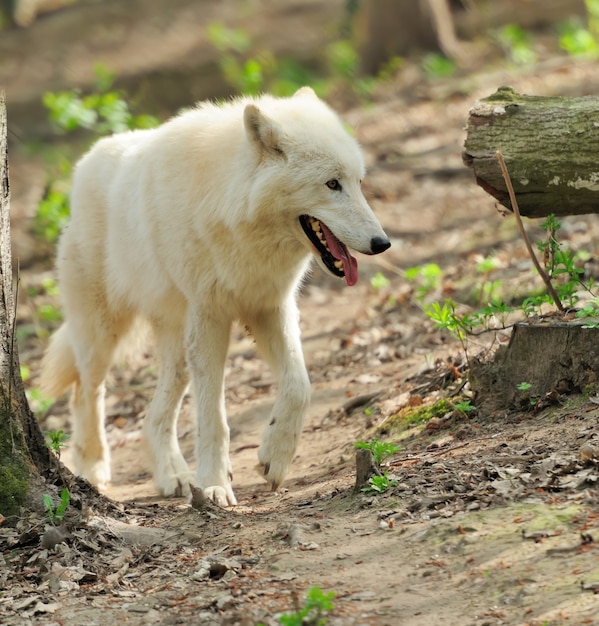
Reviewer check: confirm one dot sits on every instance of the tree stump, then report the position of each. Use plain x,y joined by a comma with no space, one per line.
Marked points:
365,469
549,144
551,357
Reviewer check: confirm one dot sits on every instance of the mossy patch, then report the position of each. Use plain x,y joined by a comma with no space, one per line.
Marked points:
13,489
14,472
411,417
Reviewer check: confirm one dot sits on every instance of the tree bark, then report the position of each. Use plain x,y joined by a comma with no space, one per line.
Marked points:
550,146
23,455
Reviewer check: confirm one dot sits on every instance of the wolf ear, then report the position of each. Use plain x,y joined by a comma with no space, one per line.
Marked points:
305,91
262,131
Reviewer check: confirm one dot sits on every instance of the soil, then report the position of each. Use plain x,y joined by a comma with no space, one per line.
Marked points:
495,511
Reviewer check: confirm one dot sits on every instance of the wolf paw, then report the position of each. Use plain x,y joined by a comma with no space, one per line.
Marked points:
223,496
176,485
273,472
97,473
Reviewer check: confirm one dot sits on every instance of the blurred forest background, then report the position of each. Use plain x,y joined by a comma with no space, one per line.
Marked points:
385,357
73,70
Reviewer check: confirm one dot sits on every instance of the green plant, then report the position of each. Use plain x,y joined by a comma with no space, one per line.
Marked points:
343,61
590,309
53,211
579,39
532,305
379,281
379,484
380,450
562,265
525,387
427,279
436,66
317,603
486,290
103,112
445,317
49,286
564,268
517,43
250,70
464,407
56,515
40,404
57,440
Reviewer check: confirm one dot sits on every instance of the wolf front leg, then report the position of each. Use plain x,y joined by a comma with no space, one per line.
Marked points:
207,340
277,335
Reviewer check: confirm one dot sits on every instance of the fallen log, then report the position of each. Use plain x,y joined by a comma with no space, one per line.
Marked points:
550,146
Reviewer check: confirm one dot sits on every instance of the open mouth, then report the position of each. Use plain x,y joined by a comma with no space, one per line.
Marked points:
334,253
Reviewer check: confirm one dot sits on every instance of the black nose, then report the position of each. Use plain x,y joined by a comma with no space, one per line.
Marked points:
379,244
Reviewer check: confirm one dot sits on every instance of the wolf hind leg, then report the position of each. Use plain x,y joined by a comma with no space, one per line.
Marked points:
93,341
171,472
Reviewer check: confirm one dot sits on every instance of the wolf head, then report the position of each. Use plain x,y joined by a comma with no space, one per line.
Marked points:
312,170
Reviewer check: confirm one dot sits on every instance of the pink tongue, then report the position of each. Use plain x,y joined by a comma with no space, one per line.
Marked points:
341,253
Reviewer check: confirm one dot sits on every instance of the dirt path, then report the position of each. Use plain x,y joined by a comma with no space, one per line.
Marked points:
453,543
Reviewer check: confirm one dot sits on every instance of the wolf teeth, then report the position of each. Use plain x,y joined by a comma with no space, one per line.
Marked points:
338,265
315,225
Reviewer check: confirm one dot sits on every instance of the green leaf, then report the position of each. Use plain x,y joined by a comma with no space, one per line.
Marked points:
48,503
379,281
65,498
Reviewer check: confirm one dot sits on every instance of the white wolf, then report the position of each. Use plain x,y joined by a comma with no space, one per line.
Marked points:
212,217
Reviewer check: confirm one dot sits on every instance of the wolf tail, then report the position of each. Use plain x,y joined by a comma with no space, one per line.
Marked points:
59,370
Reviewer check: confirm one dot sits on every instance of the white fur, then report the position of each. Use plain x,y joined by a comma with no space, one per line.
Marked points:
191,226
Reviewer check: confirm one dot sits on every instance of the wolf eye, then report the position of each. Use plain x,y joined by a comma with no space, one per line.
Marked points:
333,184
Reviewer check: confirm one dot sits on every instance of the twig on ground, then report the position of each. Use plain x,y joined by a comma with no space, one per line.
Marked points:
516,210
357,401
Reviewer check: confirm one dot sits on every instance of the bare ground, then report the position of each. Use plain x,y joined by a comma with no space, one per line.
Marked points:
495,511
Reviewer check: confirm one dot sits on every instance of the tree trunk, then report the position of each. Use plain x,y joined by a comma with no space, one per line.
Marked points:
388,28
550,146
23,455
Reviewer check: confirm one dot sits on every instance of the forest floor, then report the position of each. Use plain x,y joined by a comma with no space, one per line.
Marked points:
494,512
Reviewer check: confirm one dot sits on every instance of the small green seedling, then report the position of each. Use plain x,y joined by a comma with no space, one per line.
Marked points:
379,484
317,603
56,515
57,440
523,386
464,407
380,450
